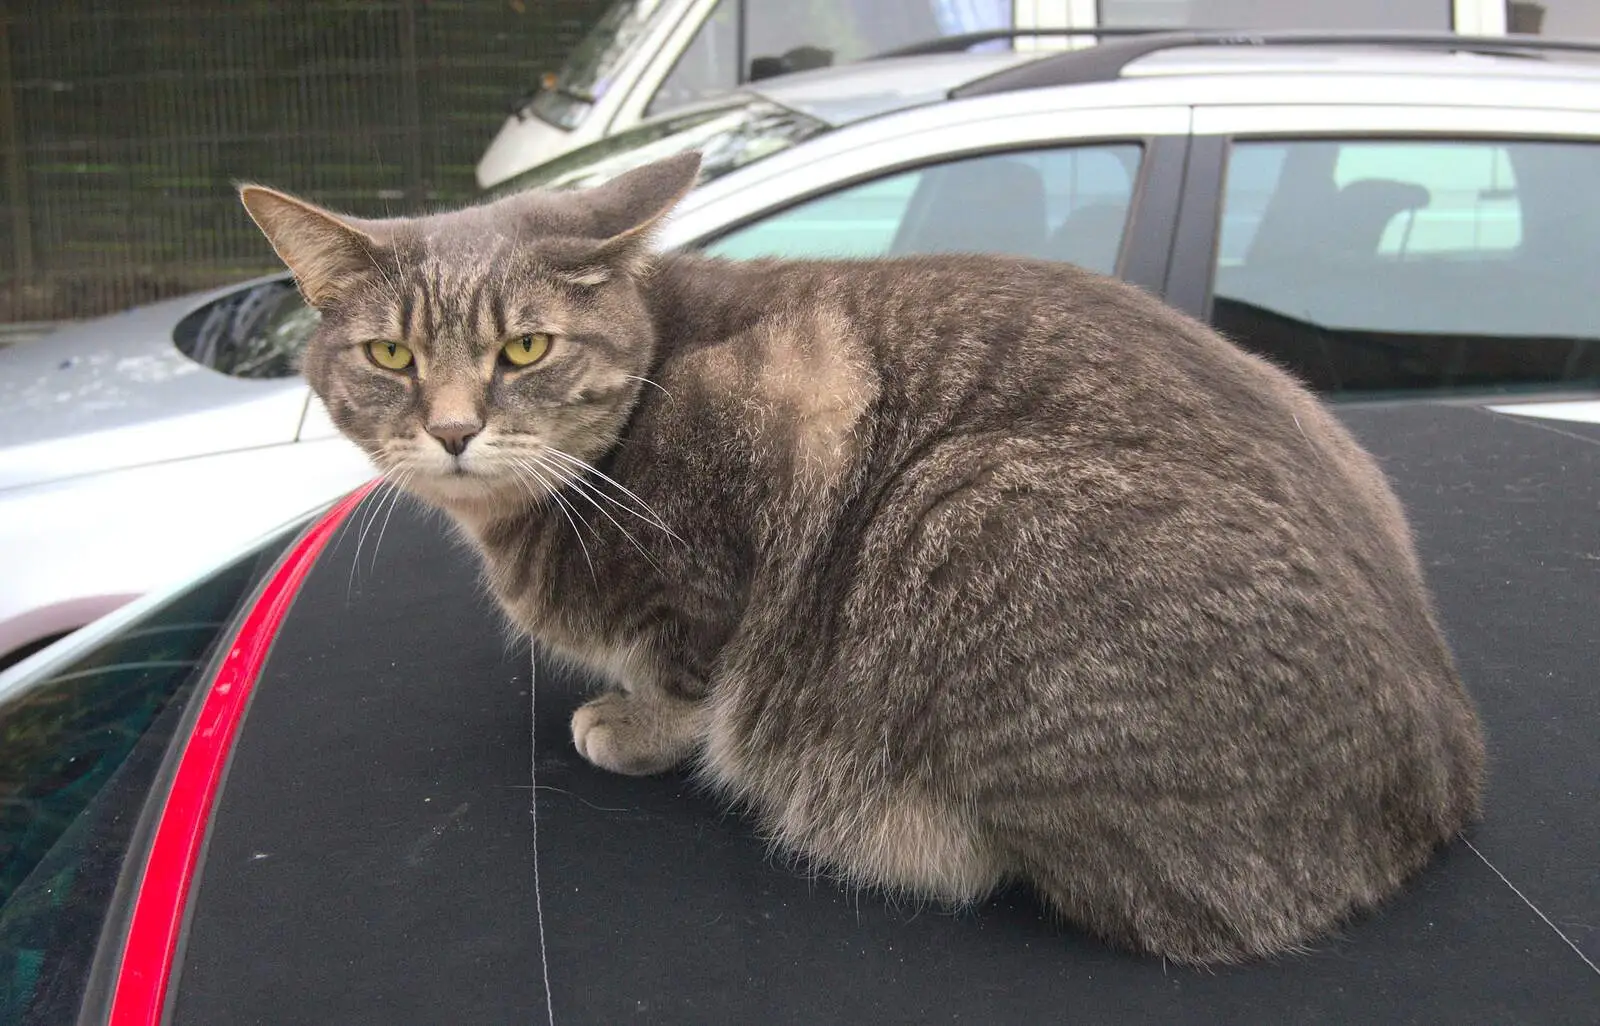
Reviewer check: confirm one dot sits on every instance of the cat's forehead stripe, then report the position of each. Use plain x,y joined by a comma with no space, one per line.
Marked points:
478,309
407,309
424,301
497,312
481,293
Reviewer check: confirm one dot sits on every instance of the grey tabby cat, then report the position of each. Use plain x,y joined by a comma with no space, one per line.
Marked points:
953,570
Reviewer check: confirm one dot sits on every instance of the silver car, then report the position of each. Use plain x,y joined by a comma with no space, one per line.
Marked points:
1406,218
649,57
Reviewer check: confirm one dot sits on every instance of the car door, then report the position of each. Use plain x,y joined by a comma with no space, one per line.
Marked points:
1098,188
1383,250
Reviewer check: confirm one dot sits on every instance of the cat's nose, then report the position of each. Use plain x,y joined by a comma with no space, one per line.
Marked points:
455,434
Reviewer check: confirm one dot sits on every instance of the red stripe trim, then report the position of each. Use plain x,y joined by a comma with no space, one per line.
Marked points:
158,910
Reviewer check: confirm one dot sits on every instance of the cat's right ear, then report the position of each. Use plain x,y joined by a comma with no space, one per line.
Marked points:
324,250
631,207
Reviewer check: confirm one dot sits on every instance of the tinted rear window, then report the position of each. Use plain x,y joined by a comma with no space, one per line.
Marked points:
79,752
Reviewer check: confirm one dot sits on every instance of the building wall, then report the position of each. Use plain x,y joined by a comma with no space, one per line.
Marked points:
125,123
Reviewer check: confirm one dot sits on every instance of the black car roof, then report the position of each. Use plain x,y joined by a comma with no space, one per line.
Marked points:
407,835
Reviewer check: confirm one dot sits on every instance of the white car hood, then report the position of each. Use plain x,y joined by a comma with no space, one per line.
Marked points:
115,393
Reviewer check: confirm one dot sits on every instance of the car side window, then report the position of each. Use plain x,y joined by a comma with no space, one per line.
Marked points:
1065,203
1376,266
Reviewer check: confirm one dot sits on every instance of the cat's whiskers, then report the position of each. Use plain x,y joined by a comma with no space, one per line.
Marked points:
506,263
550,490
394,286
590,493
372,501
377,497
588,489
406,273
569,477
367,502
533,496
554,491
647,381
649,515
397,491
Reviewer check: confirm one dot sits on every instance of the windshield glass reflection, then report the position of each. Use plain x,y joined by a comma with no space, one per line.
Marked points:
257,332
729,136
594,64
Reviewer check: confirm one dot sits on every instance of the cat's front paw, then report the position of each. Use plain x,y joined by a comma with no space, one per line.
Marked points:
636,735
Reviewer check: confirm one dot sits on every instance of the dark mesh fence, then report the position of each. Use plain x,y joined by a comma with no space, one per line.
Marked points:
124,123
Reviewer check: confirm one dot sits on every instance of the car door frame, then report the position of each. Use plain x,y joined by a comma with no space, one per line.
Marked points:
874,150
645,79
1216,127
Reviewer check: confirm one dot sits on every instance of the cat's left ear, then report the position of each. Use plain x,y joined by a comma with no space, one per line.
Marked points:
630,208
325,251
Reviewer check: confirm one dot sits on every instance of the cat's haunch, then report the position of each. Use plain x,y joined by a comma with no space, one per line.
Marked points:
952,569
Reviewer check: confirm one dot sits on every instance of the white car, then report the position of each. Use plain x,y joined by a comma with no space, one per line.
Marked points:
143,447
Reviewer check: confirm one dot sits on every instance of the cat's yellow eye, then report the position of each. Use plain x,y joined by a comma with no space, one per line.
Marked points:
389,355
526,350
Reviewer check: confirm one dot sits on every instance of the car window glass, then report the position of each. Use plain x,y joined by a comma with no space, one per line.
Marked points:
1252,178
1471,190
1380,266
854,222
79,751
1067,203
1278,14
708,65
593,66
781,36
1575,19
256,332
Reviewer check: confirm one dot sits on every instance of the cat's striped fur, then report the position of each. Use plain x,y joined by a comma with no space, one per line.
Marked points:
953,569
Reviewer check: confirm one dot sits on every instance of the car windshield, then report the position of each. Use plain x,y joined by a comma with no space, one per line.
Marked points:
81,746
594,64
728,135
